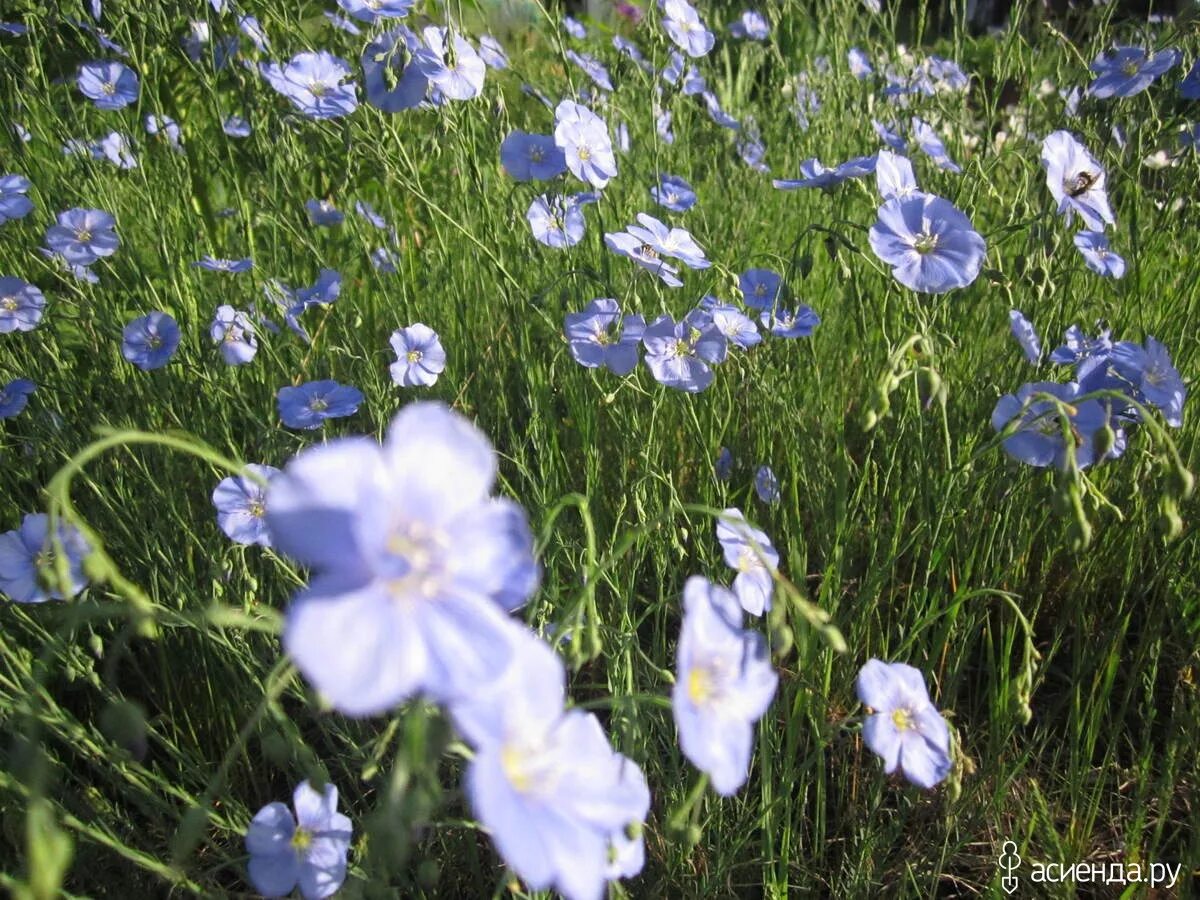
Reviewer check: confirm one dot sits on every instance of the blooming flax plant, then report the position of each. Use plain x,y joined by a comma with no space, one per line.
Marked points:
415,565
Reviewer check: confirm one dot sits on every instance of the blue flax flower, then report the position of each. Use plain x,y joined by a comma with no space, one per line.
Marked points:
625,244
1026,335
150,341
1098,255
532,157
545,782
232,266
786,323
1076,180
21,305
316,83
750,25
673,193
323,212
233,332
766,485
1189,88
684,26
420,357
391,75
241,502
904,728
574,28
415,566
307,406
930,245
760,288
676,243
307,850
14,396
724,683
557,221
860,63
680,354
1126,71
13,202
491,51
592,68
450,63
750,553
110,85
599,336
1038,439
894,175
371,11
723,467
83,236
1149,369
583,138
28,567
739,329
931,145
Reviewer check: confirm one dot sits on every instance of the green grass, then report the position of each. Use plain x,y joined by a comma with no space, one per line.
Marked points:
921,540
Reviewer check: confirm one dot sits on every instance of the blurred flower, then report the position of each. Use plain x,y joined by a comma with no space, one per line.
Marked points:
1126,71
894,175
1189,88
323,212
450,63
1149,369
14,396
232,331
723,467
592,68
241,502
676,243
236,126
28,565
860,63
414,564
393,79
149,342
308,849
529,157
1076,180
724,683
83,236
625,244
889,134
750,25
492,52
420,357
168,128
766,485
117,149
598,336
21,305
558,801
1097,254
307,406
110,85
1026,335
371,11
13,202
930,245
574,28
932,146
232,266
905,729
683,26
749,552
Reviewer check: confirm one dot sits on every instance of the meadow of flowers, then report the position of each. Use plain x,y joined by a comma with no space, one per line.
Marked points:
702,451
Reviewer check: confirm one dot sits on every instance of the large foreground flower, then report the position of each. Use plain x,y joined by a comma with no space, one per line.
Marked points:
27,552
905,728
724,683
1076,180
929,244
414,564
556,798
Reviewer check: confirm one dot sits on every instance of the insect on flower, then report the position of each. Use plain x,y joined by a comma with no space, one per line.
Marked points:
1078,184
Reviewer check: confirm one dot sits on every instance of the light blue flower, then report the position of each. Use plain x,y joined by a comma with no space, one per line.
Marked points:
905,728
308,849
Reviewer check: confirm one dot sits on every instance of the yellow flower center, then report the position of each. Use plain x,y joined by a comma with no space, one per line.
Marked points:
302,839
903,719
